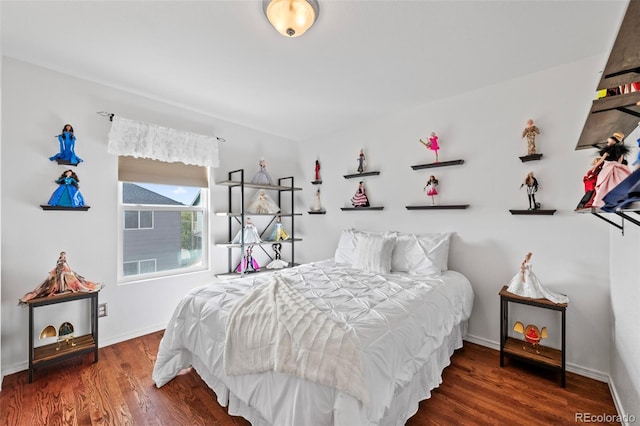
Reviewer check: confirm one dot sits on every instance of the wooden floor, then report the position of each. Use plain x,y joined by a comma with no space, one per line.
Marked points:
118,390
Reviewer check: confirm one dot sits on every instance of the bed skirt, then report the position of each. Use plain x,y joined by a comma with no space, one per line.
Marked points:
346,411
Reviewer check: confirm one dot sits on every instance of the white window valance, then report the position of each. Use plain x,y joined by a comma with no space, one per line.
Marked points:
144,140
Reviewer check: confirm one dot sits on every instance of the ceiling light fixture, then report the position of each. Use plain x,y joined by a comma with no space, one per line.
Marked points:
291,18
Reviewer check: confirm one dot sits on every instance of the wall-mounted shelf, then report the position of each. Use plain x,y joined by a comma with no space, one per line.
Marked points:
439,164
316,182
530,157
355,175
439,207
47,207
618,113
541,212
360,208
317,212
624,214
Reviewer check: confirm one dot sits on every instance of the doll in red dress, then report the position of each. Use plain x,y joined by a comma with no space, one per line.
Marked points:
589,180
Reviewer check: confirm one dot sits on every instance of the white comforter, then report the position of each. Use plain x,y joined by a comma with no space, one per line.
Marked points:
399,320
275,328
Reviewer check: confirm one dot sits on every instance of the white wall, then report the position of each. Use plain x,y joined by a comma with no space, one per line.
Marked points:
625,336
36,103
484,128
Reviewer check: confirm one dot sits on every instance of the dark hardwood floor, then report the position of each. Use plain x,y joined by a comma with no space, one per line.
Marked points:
118,390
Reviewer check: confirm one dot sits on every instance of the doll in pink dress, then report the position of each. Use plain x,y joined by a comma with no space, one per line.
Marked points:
614,167
432,144
432,188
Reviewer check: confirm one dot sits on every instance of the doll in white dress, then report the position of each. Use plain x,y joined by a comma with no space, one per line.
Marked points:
526,284
251,235
262,203
262,176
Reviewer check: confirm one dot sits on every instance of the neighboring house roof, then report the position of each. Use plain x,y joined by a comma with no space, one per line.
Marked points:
134,194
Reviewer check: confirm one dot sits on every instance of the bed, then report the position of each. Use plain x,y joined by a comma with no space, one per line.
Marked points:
358,339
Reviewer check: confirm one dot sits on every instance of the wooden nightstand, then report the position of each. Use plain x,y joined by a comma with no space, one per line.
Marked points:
48,354
513,348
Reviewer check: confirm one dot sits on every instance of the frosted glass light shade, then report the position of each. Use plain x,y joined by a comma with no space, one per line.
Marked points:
291,18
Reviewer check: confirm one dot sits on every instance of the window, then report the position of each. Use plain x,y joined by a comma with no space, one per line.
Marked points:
163,225
139,267
138,219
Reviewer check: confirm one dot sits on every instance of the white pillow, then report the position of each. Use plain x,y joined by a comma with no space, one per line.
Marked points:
346,250
421,254
373,252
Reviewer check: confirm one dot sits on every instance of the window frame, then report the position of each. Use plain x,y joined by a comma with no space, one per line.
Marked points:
203,207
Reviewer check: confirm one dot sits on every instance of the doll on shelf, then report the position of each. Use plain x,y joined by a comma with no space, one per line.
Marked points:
589,181
248,263
530,133
317,171
261,203
532,187
67,194
614,169
317,204
362,162
360,198
278,232
432,144
251,234
431,188
526,284
67,141
61,279
262,177
277,262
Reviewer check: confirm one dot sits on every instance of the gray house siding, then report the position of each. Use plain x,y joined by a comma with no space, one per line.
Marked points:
161,243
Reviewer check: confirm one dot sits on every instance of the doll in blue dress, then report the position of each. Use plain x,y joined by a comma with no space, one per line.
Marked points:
67,154
67,194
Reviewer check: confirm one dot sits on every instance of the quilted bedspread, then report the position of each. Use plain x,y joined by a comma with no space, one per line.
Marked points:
398,321
276,328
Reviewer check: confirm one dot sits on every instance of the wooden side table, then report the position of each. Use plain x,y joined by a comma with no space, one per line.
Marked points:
513,348
48,354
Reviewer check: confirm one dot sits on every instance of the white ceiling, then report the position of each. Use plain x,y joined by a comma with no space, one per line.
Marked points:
362,59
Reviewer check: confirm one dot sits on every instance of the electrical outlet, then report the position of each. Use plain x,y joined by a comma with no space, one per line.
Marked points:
102,310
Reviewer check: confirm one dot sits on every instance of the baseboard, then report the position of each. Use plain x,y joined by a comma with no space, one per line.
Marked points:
24,365
625,418
131,335
572,368
483,342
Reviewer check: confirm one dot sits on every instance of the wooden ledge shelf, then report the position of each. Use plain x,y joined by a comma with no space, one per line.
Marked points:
530,157
47,353
317,212
438,164
549,357
262,243
233,183
539,212
355,175
439,207
80,209
360,208
225,214
316,182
